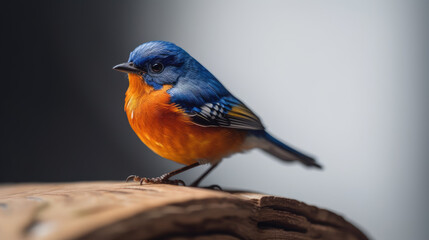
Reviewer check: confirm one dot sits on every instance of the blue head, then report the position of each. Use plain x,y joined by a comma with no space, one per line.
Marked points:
162,63
159,63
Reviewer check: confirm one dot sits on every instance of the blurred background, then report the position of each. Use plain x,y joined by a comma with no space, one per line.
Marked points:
345,81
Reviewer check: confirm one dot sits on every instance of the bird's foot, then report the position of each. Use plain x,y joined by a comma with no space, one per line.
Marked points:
214,187
157,180
211,187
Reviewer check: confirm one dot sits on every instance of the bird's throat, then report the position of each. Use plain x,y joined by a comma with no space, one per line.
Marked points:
138,89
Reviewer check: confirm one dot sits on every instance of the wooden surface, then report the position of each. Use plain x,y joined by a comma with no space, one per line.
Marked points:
117,210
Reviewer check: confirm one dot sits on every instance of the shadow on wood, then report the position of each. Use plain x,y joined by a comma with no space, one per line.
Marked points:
112,210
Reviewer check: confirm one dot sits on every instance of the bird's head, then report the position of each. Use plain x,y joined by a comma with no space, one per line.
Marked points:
157,62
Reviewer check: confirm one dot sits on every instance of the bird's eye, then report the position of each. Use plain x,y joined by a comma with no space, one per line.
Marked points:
157,67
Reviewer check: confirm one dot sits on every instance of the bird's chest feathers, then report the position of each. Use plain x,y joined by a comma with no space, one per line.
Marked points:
150,111
169,132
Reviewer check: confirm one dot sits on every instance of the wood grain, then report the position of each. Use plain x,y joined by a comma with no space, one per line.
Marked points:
116,210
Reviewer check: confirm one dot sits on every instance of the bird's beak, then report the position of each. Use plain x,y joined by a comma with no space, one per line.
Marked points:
128,67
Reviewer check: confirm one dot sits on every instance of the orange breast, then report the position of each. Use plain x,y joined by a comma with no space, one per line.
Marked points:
167,131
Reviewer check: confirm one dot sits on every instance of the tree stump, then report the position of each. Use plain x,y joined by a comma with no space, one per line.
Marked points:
117,210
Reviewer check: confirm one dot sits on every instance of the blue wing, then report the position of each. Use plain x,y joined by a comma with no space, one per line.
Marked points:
226,112
209,104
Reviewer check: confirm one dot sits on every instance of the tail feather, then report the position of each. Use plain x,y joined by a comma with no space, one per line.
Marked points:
282,151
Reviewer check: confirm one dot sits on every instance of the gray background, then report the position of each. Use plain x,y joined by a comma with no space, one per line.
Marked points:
346,81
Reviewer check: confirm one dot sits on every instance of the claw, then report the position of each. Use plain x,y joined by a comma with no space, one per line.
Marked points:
133,177
212,187
144,180
182,182
215,187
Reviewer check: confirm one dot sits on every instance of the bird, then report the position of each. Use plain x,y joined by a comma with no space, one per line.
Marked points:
183,113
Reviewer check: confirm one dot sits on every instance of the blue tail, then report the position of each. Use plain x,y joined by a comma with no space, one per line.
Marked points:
282,151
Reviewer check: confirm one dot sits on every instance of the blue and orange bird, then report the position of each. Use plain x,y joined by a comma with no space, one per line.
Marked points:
183,113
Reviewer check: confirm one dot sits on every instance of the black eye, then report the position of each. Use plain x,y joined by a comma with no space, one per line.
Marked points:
157,67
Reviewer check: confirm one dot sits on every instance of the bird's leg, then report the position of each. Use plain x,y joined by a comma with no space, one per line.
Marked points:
165,178
196,182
